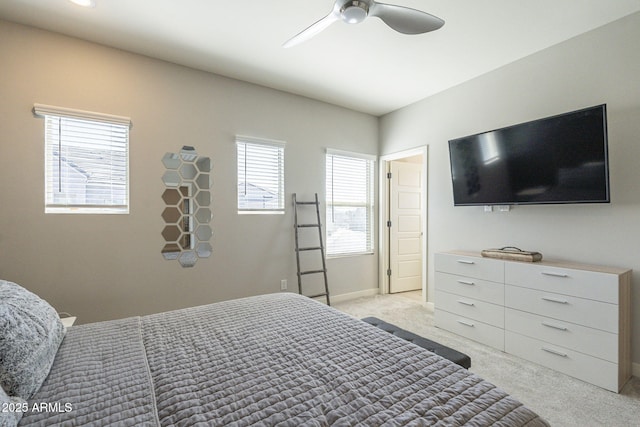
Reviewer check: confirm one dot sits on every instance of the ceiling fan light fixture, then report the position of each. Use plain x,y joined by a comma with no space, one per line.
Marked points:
354,12
402,19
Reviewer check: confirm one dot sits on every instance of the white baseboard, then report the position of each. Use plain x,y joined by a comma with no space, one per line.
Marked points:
354,295
635,369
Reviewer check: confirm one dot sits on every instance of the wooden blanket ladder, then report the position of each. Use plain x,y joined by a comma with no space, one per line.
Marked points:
319,248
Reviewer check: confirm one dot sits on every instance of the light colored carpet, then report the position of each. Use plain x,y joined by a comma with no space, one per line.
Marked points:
560,399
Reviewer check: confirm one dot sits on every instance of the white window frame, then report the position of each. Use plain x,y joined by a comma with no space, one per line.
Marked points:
275,175
368,203
118,124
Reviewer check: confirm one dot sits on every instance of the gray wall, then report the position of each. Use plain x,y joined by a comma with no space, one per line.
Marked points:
109,266
602,66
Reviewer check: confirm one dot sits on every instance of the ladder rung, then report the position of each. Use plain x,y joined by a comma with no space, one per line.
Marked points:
315,248
308,225
316,296
313,272
306,203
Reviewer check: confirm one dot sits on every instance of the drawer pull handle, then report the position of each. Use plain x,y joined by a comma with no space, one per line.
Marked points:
465,261
556,352
559,301
463,302
551,325
464,322
550,273
466,282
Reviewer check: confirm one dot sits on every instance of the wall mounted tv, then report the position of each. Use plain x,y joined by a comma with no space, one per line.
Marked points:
558,159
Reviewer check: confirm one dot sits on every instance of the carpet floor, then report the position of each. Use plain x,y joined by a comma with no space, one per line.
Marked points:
560,399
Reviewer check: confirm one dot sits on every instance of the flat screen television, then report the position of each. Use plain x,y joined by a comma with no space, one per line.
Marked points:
558,159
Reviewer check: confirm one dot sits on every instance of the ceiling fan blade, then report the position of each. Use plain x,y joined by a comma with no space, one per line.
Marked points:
404,19
311,31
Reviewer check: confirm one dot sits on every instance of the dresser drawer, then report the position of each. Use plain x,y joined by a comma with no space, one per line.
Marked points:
469,328
587,368
468,307
593,342
479,289
585,312
470,266
580,283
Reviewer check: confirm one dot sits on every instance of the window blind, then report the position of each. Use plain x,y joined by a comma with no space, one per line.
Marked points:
86,162
349,204
260,175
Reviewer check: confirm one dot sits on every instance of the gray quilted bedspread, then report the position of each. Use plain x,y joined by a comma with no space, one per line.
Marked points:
278,359
99,377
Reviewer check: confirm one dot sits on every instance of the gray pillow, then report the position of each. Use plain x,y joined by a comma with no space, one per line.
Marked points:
31,333
11,409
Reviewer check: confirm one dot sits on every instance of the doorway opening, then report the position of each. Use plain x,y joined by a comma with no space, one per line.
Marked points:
403,225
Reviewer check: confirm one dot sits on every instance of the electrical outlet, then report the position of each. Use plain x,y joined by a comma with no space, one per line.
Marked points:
283,284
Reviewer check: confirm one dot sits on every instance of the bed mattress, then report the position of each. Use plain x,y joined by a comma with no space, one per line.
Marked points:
278,359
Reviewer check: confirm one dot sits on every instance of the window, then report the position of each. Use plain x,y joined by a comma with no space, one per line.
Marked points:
86,161
349,203
260,176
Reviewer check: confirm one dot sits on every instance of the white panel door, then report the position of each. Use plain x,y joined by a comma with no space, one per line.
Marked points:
405,241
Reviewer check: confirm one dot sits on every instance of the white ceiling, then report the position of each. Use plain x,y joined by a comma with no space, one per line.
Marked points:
366,67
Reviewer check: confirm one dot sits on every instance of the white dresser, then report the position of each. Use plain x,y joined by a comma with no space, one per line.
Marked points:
572,318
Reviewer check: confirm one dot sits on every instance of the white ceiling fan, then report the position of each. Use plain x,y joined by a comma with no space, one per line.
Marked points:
402,19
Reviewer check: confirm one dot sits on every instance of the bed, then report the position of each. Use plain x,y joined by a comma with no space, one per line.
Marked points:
279,359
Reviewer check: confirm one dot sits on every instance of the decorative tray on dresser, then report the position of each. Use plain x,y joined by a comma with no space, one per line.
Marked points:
573,318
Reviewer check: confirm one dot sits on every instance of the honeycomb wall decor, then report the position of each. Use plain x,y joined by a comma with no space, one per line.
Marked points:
187,197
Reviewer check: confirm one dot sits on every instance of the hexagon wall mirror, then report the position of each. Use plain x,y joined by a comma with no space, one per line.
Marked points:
187,211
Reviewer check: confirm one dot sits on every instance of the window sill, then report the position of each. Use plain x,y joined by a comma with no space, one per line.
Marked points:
336,256
265,212
79,210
